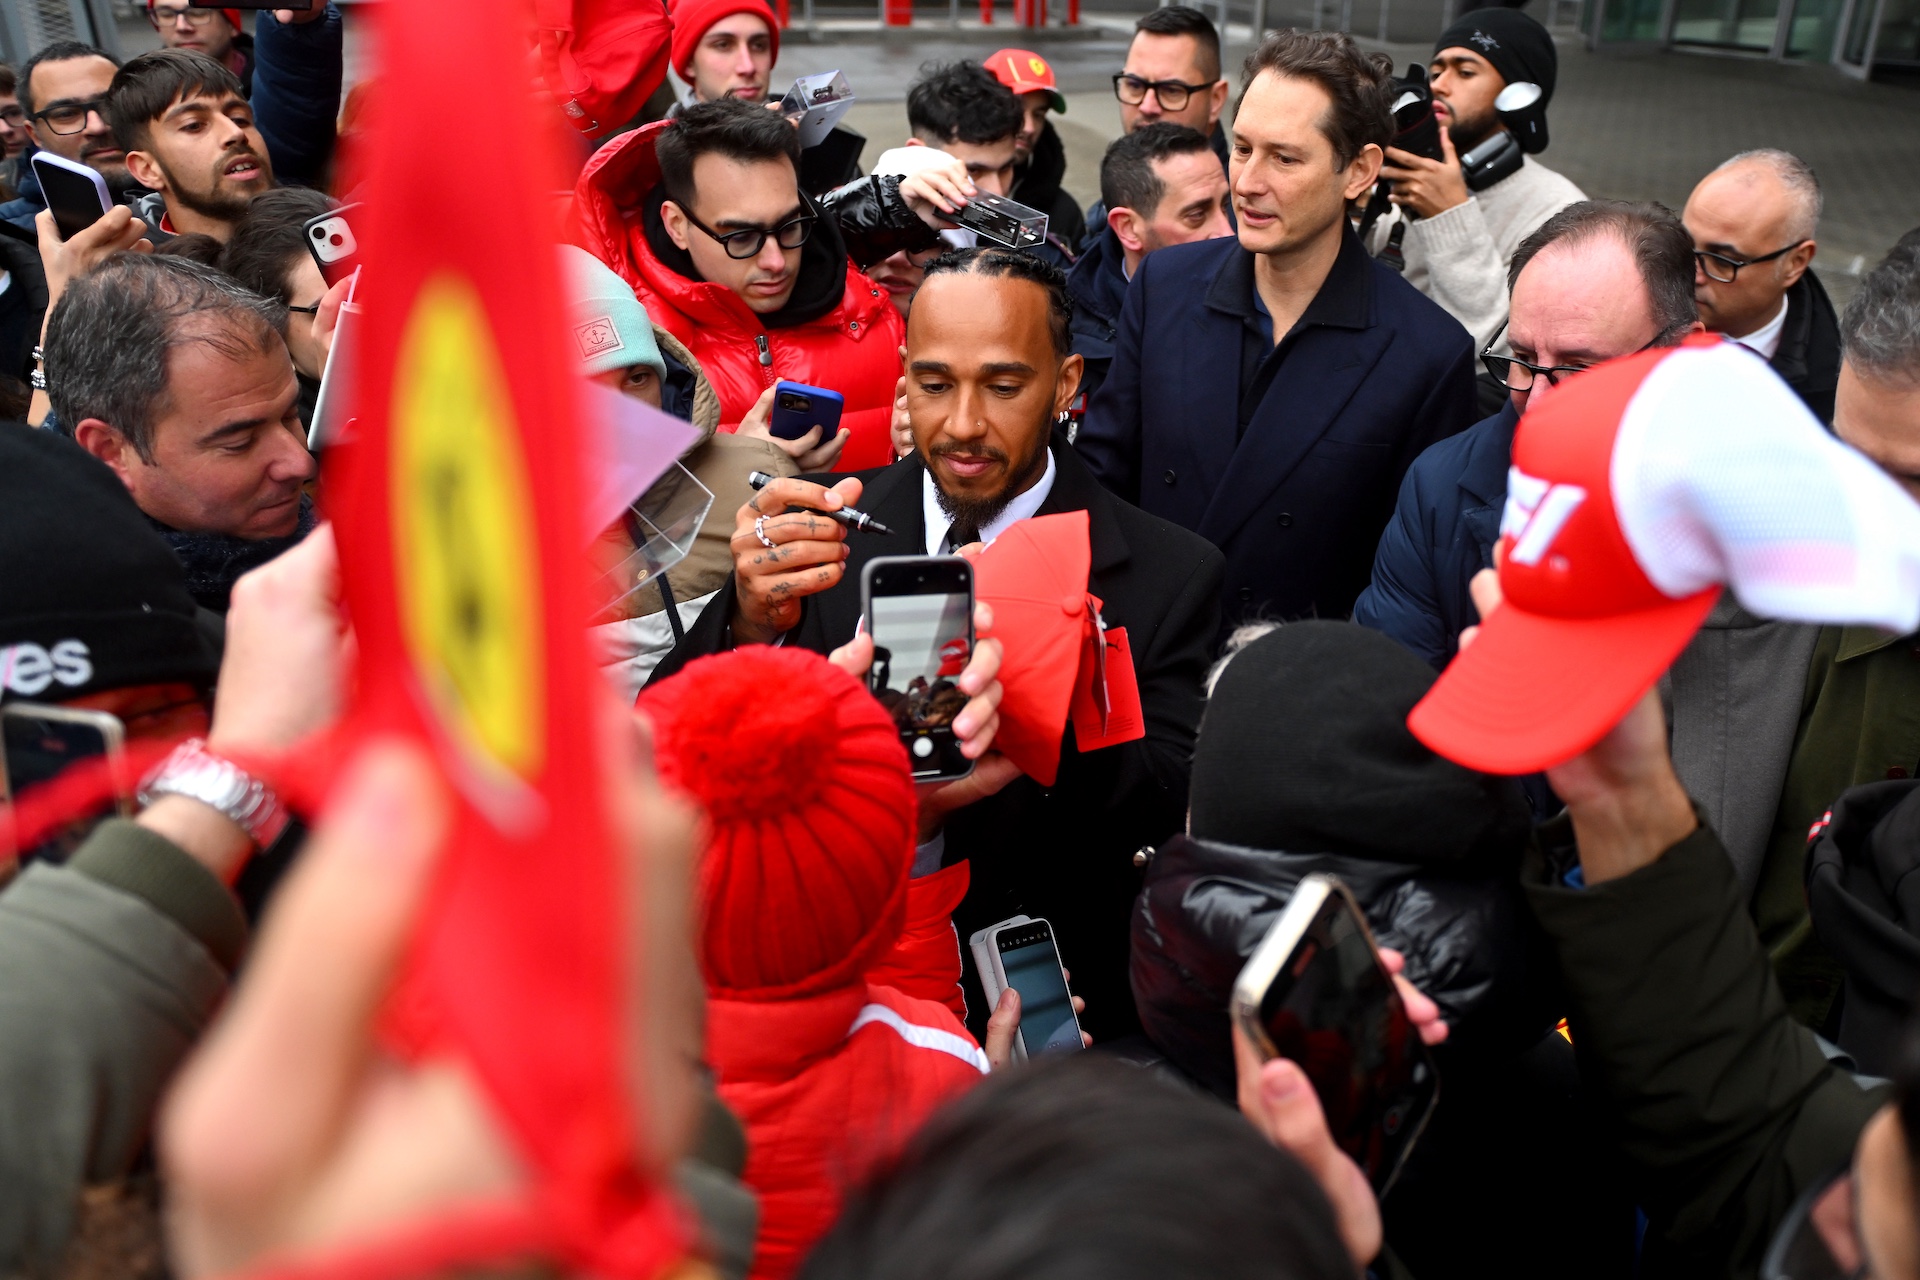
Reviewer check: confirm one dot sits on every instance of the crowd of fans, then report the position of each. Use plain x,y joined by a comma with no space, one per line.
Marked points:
1669,983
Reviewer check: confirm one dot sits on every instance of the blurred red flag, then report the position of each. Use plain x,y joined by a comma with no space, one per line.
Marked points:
456,503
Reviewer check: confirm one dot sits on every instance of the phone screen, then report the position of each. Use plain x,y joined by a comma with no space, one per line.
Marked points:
41,748
1334,1010
1032,966
920,613
74,200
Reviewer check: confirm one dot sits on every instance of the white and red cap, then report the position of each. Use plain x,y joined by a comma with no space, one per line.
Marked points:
1636,492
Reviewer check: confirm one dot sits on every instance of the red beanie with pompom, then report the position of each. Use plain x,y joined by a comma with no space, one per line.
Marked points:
810,803
692,18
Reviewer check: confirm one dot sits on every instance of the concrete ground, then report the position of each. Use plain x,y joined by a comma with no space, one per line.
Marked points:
1632,125
1625,125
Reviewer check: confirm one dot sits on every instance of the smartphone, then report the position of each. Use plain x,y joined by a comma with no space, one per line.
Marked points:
1314,990
41,743
798,408
1021,953
331,408
331,241
919,610
76,194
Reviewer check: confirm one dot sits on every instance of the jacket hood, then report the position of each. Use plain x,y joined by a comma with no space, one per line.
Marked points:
1304,745
1864,894
1468,941
685,392
616,210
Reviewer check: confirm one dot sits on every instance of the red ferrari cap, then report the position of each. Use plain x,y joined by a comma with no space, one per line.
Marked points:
1025,71
1582,632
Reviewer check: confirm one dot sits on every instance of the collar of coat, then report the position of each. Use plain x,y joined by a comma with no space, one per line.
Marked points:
1345,299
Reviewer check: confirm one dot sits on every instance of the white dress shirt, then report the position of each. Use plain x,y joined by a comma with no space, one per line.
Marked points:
938,521
1765,340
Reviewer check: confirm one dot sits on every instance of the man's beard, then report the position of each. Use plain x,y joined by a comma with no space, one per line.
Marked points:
1470,133
976,513
219,205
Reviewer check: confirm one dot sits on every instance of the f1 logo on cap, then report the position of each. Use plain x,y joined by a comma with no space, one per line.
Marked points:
1536,511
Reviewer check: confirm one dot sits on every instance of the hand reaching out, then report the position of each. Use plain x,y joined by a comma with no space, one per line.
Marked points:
809,452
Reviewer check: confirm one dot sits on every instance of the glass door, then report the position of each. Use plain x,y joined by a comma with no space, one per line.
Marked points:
1746,26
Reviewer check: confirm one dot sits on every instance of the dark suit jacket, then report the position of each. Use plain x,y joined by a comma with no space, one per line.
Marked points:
1374,373
1808,358
1063,852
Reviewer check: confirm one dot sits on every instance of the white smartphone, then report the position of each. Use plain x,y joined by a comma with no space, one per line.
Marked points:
76,194
1021,953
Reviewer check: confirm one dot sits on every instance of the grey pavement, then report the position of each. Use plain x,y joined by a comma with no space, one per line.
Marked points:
1625,125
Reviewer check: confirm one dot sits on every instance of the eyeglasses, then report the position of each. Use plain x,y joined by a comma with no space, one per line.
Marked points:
748,241
313,310
1506,369
199,15
13,117
1714,263
70,117
1173,94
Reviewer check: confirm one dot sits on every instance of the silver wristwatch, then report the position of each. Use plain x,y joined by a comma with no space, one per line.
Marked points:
191,770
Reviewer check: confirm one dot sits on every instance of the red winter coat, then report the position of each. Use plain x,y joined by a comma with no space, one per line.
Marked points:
827,1086
853,349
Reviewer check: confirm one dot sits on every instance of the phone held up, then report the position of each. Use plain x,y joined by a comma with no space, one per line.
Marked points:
331,241
1021,953
919,610
76,194
1315,991
798,408
43,742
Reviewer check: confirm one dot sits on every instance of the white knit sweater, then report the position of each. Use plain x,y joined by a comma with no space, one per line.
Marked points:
1459,257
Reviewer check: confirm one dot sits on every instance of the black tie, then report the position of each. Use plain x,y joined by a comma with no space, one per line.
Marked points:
959,535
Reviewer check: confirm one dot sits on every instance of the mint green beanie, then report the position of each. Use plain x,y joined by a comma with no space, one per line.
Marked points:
607,328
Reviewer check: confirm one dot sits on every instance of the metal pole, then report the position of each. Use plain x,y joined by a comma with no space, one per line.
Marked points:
1346,17
1383,20
1259,20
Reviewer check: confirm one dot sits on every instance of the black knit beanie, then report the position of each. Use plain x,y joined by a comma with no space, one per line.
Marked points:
91,598
1518,46
1304,747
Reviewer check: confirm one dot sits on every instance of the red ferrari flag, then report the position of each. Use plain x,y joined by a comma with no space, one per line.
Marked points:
457,502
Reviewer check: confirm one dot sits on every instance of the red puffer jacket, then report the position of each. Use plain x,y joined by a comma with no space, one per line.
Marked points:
853,349
827,1086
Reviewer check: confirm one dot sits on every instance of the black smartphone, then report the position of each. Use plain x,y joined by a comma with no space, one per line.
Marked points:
919,610
331,241
1028,960
41,743
76,194
1315,991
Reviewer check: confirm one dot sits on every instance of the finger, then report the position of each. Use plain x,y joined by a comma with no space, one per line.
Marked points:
1422,1012
800,444
1002,1025
762,568
977,746
854,657
270,1087
977,721
982,668
1392,961
331,301
1485,590
1446,147
793,526
982,619
1079,1006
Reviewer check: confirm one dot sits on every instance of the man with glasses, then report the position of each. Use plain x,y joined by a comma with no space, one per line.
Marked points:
61,88
703,216
204,29
1753,221
13,131
1599,279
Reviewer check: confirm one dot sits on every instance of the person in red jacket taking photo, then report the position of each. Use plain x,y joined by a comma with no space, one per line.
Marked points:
704,217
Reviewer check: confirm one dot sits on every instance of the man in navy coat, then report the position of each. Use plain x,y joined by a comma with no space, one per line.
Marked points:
1269,393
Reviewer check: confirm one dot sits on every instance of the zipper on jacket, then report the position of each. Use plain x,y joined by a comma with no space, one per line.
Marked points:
766,355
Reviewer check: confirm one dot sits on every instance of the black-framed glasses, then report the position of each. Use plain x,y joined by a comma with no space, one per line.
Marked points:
1506,368
1173,94
748,241
66,118
1715,263
13,116
198,14
313,310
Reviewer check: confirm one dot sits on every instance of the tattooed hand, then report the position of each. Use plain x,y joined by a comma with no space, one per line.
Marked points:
807,557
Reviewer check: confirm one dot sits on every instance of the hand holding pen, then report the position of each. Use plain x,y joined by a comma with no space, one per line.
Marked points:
847,516
789,542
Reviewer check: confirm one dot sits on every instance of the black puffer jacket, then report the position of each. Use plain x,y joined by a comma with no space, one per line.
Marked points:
1304,764
1863,889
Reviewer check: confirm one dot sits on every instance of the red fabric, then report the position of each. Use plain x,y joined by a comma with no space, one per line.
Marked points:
691,18
853,349
821,1106
602,59
458,504
810,817
925,960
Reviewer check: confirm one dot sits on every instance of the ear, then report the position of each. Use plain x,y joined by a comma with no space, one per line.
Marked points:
676,224
1217,101
1363,172
915,141
1797,263
146,171
1125,224
1067,385
107,444
903,359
